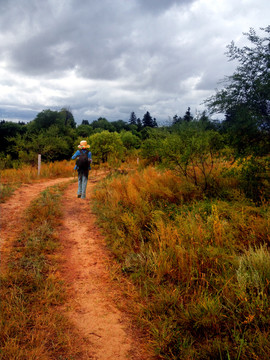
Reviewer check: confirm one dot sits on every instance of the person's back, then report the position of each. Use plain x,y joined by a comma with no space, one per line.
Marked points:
83,162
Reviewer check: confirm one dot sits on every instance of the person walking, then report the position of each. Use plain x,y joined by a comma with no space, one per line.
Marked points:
83,165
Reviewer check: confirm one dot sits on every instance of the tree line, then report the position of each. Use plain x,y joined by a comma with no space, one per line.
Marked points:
244,132
54,133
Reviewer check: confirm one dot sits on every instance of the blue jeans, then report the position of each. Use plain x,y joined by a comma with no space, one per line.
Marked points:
82,183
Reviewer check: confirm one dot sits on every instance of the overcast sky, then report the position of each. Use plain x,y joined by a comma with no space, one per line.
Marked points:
107,58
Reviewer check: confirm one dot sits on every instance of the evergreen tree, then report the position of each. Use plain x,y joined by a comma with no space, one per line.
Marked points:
188,117
139,124
133,119
147,120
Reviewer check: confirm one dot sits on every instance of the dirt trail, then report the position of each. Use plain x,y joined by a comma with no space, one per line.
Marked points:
105,332
93,295
12,213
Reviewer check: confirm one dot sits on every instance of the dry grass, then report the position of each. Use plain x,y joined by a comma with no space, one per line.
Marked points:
29,173
32,293
186,253
13,178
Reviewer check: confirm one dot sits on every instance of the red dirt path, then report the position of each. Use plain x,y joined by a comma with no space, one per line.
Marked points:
106,332
93,295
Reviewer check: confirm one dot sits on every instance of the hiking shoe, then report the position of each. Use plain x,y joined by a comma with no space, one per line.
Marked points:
79,196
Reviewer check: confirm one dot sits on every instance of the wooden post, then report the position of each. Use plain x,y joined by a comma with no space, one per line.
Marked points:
39,163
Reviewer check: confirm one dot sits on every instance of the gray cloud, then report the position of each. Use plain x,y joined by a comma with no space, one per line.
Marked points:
156,6
105,58
16,114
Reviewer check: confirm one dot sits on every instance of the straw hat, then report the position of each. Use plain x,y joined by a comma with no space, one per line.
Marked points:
83,145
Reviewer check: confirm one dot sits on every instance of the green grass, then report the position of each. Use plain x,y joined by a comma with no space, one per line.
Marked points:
32,291
6,190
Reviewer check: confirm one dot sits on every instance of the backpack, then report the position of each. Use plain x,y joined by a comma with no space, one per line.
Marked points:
82,161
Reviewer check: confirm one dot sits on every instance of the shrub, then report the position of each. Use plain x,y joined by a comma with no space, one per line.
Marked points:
254,179
200,288
192,152
106,146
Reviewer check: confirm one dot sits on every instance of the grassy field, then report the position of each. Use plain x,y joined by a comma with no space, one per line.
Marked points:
201,264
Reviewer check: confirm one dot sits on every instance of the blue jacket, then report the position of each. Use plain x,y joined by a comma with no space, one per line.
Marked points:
78,153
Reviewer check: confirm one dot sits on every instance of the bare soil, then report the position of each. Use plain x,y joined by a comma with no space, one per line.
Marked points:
105,331
93,294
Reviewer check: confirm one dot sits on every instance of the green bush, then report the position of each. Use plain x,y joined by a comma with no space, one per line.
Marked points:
106,146
254,179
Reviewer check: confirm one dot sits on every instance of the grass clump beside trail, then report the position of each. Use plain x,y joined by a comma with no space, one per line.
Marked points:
13,178
32,326
201,265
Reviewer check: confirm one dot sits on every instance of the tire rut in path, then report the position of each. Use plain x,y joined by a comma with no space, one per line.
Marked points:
92,295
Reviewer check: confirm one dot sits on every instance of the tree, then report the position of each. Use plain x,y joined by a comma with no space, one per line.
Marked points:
139,124
44,120
133,119
9,129
148,120
84,130
188,117
68,118
106,146
85,122
119,125
242,132
152,148
102,123
177,119
130,141
247,91
51,143
191,151
207,123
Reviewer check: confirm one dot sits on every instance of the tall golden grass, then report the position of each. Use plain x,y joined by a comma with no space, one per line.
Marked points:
13,178
28,173
188,255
